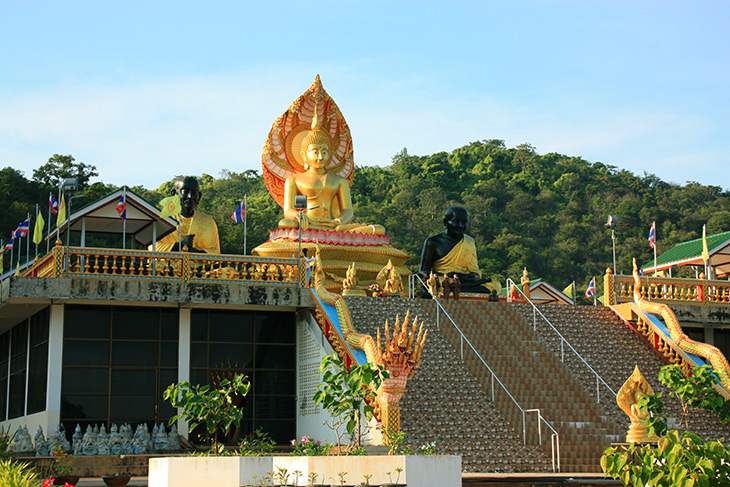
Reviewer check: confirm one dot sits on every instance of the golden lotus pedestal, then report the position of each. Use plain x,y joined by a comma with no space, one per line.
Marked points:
338,251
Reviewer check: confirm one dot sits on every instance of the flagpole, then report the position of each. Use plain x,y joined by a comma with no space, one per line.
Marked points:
58,230
595,291
245,221
48,232
36,222
27,245
656,240
574,296
124,220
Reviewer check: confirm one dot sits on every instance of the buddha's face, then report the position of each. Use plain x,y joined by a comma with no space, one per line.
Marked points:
317,156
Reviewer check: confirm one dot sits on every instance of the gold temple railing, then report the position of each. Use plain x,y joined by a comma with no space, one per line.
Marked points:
657,339
143,265
667,290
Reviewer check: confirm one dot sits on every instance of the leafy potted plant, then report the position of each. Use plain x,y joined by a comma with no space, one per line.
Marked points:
344,393
257,444
211,406
62,463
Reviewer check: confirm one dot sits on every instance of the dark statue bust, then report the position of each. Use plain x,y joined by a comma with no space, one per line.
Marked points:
453,253
198,231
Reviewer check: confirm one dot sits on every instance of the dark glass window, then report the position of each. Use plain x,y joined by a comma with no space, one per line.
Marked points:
38,361
260,345
4,363
86,322
24,367
117,364
18,365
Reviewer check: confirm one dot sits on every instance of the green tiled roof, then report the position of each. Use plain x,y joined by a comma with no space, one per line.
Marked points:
689,250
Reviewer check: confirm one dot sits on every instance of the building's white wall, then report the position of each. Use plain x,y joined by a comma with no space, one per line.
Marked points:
55,361
311,347
51,417
48,420
183,359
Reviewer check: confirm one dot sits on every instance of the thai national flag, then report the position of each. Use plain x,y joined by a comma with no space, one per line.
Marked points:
591,291
22,229
9,245
122,207
240,214
53,204
652,235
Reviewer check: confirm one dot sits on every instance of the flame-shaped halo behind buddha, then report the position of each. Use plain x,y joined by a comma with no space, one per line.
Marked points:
281,154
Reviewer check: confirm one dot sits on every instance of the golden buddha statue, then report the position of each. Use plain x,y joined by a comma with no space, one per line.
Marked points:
308,152
329,205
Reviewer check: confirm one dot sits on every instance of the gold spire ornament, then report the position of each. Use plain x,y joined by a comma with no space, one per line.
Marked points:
628,397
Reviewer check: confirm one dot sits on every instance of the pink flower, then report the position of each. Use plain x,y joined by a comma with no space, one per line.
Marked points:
378,425
293,442
305,439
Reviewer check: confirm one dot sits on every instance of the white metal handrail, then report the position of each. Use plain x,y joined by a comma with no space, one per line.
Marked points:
555,443
563,340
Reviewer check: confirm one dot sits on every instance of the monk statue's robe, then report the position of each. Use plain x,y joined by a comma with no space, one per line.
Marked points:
462,259
201,225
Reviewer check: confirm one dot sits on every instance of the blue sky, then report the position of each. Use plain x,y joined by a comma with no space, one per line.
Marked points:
148,90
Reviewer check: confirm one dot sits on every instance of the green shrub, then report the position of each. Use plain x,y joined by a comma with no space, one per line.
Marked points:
17,474
209,406
680,458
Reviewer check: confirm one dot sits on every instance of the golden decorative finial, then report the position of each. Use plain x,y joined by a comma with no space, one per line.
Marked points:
316,135
315,119
627,398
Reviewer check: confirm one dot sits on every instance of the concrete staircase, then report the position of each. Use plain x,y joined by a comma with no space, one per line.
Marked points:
536,378
450,398
613,349
444,401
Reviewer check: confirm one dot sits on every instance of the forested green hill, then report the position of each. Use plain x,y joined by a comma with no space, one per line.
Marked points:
544,212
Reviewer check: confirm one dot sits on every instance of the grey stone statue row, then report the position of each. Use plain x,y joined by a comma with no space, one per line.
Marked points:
96,441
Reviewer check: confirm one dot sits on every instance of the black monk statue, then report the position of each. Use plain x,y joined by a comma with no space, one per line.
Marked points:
454,253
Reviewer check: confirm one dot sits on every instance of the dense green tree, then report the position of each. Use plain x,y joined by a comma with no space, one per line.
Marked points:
61,167
544,212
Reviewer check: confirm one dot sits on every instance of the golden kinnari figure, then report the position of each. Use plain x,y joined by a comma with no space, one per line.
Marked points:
525,281
350,285
628,400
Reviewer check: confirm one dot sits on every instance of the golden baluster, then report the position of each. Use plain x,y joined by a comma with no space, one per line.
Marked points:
95,266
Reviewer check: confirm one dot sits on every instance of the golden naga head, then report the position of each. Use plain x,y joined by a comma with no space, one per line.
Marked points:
400,352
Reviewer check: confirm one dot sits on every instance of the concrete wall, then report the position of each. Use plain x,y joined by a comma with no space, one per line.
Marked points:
702,315
175,293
